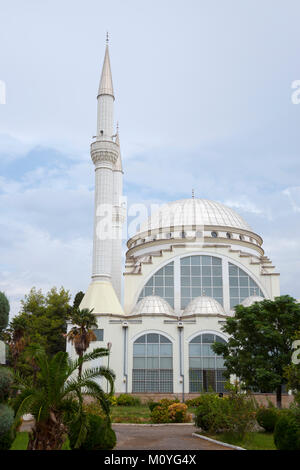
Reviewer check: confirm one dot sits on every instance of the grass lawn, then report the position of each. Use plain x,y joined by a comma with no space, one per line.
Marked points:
252,440
133,414
130,414
21,442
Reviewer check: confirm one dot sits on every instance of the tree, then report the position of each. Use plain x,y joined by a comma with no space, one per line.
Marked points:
77,299
260,343
57,398
4,311
45,318
16,337
81,334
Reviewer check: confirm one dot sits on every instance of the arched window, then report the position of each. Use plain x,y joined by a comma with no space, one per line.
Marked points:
201,274
152,364
162,284
205,367
241,286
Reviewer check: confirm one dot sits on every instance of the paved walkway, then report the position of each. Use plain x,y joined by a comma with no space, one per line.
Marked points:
136,437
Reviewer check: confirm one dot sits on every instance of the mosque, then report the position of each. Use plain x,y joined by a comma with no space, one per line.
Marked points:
186,268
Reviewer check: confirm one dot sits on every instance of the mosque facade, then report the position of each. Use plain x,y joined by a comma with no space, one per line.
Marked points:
186,268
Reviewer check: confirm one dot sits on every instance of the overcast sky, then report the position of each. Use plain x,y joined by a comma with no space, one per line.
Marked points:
203,99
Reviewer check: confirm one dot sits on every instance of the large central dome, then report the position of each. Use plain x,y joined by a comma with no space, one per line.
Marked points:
194,211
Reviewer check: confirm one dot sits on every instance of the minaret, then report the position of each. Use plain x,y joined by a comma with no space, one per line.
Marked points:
105,154
118,220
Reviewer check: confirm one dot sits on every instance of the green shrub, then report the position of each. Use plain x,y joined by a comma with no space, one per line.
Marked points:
112,399
94,408
287,431
153,404
7,433
233,414
128,400
267,417
194,402
160,414
100,435
205,414
6,381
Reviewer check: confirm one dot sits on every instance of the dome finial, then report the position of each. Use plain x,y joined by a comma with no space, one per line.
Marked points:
193,193
203,293
107,38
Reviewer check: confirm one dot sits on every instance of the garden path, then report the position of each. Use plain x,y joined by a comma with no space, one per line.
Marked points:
162,437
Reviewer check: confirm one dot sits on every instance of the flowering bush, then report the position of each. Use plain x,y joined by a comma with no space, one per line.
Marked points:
165,402
178,413
160,414
169,411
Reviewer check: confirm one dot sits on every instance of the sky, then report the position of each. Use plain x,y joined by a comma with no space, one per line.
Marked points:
204,101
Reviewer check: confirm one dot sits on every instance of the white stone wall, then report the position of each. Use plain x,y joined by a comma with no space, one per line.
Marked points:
114,333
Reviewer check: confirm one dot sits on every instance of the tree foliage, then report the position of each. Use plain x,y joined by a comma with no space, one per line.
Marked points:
56,399
77,299
42,321
81,334
260,343
4,311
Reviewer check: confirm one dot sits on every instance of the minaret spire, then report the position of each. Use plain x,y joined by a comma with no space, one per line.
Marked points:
105,98
106,83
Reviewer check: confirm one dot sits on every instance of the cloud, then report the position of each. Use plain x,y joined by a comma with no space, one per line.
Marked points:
205,104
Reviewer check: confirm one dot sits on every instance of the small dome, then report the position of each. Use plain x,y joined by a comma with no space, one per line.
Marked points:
204,305
153,305
251,300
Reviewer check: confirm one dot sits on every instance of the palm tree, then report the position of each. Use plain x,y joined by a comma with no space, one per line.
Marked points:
57,397
30,352
81,334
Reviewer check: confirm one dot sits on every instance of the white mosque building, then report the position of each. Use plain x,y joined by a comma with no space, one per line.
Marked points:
186,268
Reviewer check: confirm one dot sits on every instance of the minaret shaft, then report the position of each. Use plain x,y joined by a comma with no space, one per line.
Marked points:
105,124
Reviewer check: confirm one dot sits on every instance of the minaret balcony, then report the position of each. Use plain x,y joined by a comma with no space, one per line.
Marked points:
103,151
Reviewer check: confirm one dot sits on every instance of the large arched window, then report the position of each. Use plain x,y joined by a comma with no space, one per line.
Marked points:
152,364
241,286
205,367
201,274
162,284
